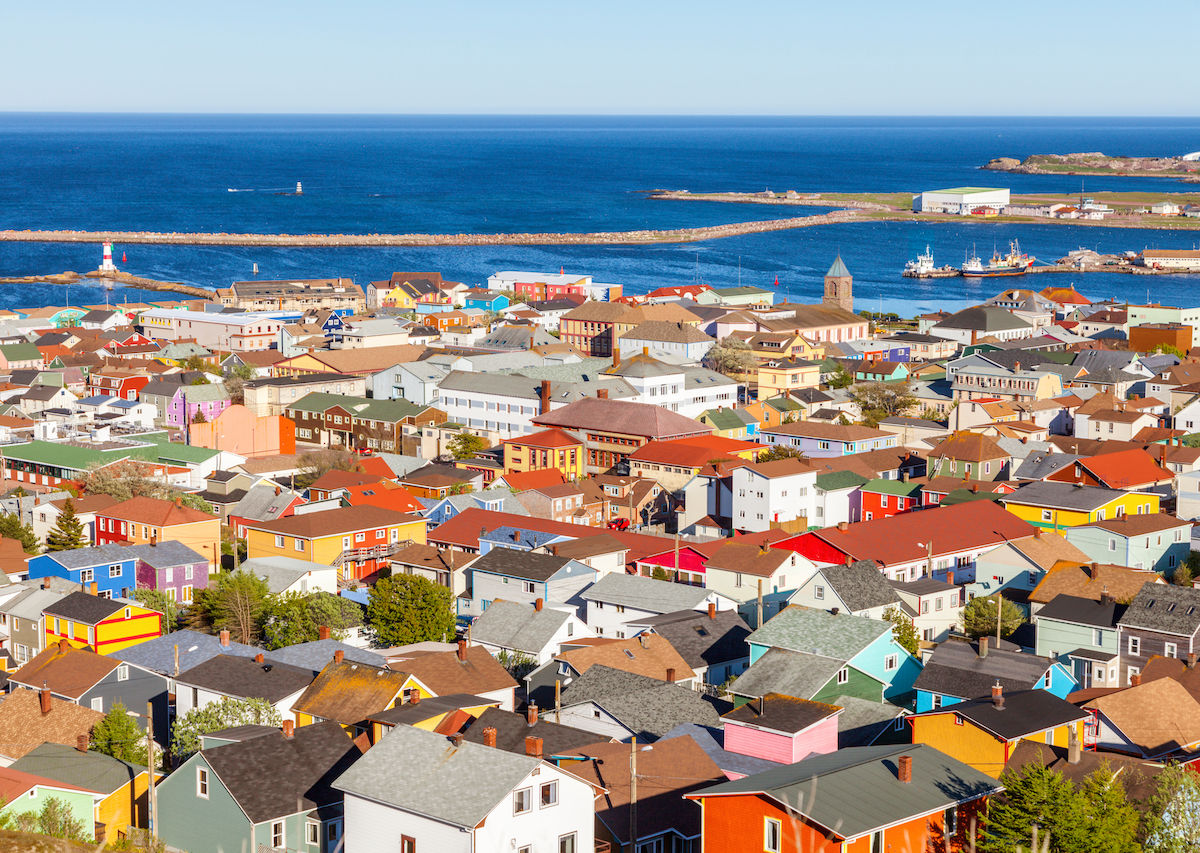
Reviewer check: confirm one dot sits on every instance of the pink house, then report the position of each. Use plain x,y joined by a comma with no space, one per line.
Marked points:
782,729
190,400
690,568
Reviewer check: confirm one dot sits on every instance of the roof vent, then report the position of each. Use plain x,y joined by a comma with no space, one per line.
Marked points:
628,654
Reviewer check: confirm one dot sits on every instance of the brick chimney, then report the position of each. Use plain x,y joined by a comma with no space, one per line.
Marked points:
289,729
1037,533
712,610
414,697
338,655
533,746
46,582
93,588
904,768
998,696
225,637
545,397
531,714
44,698
64,646
671,674
1135,680
489,737
81,743
462,652
601,393
983,646
843,526
537,605
616,357
323,632
258,658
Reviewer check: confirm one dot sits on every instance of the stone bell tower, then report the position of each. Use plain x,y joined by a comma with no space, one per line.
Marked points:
839,286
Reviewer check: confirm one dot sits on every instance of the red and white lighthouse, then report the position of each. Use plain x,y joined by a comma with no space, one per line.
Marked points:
107,265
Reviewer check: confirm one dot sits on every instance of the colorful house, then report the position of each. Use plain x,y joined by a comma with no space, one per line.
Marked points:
22,792
1057,506
236,430
958,671
549,448
779,376
881,498
983,733
730,423
486,300
112,568
871,799
104,624
783,729
148,521
1159,542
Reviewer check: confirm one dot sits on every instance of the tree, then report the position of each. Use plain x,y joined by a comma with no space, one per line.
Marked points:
156,599
879,400
118,735
1110,821
67,535
223,714
199,418
297,618
731,356
235,382
840,378
517,663
778,451
979,616
903,629
1033,796
465,445
1172,822
661,574
124,480
1187,571
407,609
314,464
55,819
236,603
12,528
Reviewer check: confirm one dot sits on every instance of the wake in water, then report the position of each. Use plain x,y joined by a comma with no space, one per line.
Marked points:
258,189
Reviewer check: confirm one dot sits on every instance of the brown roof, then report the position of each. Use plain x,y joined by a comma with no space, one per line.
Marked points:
369,359
820,429
334,521
13,558
66,670
969,447
651,660
1139,525
1157,716
23,726
427,556
156,512
623,417
350,692
1137,775
781,467
1089,580
748,559
87,503
1163,667
443,673
269,464
338,479
1047,549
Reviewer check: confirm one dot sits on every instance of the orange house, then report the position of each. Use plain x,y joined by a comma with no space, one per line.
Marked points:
869,799
239,431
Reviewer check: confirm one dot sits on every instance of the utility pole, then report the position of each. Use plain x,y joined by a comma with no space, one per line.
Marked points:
999,610
633,794
151,801
760,622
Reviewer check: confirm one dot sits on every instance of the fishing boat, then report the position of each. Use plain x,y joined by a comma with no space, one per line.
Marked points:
1015,262
923,267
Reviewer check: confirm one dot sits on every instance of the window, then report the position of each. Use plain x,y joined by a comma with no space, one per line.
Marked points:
1047,515
1135,645
772,834
86,575
1048,678
877,842
299,545
937,701
278,541
123,672
360,537
202,782
1097,637
529,587
566,843
1170,650
549,794
114,571
312,832
891,662
950,822
958,720
278,838
818,592
843,675
937,603
522,801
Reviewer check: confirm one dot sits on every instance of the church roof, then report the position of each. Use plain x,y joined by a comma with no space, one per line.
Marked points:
838,270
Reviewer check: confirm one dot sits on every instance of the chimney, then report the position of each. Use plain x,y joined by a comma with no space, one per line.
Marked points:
46,582
289,728
323,632
545,397
414,697
1105,597
225,637
849,560
554,550
489,737
1095,569
338,655
64,646
533,746
1037,533
516,535
1073,755
983,646
537,605
258,658
997,696
601,393
712,610
457,739
1191,660
1135,680
277,491
531,714
462,653
670,675
616,358
643,641
93,588
834,611
81,743
44,697
645,350
843,526
904,768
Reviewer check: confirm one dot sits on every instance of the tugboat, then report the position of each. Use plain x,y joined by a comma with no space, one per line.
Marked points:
1015,262
923,267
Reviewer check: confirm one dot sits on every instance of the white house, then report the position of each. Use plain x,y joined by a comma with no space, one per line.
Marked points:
935,606
240,678
536,632
690,391
767,493
417,791
287,574
616,599
857,588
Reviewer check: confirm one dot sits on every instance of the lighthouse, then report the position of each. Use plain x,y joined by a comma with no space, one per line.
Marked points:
107,265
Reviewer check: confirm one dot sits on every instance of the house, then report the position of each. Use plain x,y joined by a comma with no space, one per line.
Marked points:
959,670
711,642
621,705
113,568
818,440
934,605
1015,568
106,625
1090,580
46,515
120,787
22,615
179,651
782,729
144,521
349,693
880,498
546,449
463,669
512,631
446,715
817,655
783,375
679,340
873,798
518,802
674,463
273,791
854,587
24,793
1157,719
769,495
982,733
1057,506
969,455
524,576
288,575
1159,542
232,676
1162,620
617,599
739,570
1083,633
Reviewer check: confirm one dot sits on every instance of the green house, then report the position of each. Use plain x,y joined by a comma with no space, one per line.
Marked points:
23,792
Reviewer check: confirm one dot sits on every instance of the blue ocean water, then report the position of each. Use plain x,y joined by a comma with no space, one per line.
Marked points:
364,174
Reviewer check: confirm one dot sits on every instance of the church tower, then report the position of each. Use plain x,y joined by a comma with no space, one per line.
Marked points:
839,286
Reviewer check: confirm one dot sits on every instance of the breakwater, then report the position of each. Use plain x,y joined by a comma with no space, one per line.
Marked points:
151,283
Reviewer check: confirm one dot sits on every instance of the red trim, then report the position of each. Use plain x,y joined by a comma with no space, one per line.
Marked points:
127,639
149,615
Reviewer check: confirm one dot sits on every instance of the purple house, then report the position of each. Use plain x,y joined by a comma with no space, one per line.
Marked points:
171,567
820,438
209,400
781,728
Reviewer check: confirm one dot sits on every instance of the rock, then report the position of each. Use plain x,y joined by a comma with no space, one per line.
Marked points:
1002,164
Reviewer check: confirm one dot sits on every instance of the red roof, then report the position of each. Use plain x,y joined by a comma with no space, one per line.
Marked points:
338,479
695,451
546,438
160,513
376,467
1126,469
463,530
523,481
14,783
383,494
904,538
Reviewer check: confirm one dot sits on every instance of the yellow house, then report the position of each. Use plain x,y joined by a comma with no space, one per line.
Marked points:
145,521
984,732
398,297
433,714
550,448
106,625
778,376
1057,506
357,540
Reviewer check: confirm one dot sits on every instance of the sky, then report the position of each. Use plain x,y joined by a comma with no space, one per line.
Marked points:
630,57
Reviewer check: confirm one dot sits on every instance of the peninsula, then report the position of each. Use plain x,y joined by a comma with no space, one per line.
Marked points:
1095,163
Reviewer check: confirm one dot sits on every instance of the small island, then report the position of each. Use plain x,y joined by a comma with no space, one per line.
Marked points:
1095,163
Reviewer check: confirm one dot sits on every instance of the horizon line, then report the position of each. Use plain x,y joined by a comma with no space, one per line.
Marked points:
332,114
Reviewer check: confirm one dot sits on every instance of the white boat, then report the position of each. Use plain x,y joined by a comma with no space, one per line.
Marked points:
923,267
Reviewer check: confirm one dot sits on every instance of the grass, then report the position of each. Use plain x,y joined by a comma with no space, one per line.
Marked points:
24,842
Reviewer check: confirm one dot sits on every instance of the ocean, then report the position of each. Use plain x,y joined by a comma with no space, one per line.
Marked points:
364,174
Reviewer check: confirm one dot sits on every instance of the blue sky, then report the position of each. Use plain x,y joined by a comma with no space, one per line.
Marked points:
853,57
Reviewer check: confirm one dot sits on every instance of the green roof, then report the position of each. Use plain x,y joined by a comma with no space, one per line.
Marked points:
838,270
880,486
819,632
839,480
20,352
723,419
164,450
965,190
744,290
360,407
68,456
782,404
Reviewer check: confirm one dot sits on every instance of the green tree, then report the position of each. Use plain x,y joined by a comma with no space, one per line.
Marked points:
406,609
465,445
979,617
1034,796
778,451
730,356
223,714
840,378
517,663
1172,821
1110,822
55,819
199,418
1187,571
67,535
879,400
118,735
903,630
297,618
158,600
236,602
12,528
661,574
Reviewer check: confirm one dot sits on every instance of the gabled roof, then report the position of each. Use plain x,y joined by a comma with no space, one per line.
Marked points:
955,669
623,417
512,729
818,632
1126,469
247,678
1158,717
700,639
645,593
332,522
1062,496
512,625
194,648
348,692
649,655
512,562
82,607
1092,580
860,585
968,447
1166,608
66,670
444,673
91,770
646,706
1083,611
1024,712
160,513
23,726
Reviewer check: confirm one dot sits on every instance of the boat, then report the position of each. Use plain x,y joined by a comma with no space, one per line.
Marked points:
1015,262
256,269
923,267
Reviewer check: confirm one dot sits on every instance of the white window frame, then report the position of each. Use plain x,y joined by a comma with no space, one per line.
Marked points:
552,787
843,675
772,835
1134,645
891,662
279,834
312,832
524,795
202,782
1170,650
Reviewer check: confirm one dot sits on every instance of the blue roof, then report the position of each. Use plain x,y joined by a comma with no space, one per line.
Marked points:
125,404
511,536
98,400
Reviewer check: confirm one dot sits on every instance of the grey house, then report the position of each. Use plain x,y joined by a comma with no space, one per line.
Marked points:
524,577
859,589
713,642
1161,620
619,705
22,615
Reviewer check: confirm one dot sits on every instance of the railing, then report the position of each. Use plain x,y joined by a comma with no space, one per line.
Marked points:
603,846
358,555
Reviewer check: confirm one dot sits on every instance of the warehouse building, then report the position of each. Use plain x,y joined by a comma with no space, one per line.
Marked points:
961,201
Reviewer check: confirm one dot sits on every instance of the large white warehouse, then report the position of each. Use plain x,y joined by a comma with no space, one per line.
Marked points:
962,201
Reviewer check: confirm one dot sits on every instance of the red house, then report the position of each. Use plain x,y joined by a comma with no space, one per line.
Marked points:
881,498
117,382
862,800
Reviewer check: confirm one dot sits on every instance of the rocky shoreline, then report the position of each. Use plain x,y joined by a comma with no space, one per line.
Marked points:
72,277
1096,163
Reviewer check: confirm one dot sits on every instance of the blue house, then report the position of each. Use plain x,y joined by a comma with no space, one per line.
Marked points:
959,670
486,300
441,510
113,568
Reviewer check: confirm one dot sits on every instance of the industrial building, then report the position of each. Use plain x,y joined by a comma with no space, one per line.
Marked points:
961,201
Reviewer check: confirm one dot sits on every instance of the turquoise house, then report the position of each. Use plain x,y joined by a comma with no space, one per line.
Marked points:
1155,541
486,300
959,670
1083,634
24,792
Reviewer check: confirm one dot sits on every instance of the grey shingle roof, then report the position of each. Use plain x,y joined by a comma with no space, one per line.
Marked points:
862,720
1062,495
790,673
279,572
646,594
702,641
85,608
517,626
955,669
1024,712
158,654
315,655
1082,611
512,729
80,558
167,553
817,632
646,706
520,564
260,503
1166,608
1039,465
458,785
237,676
860,585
